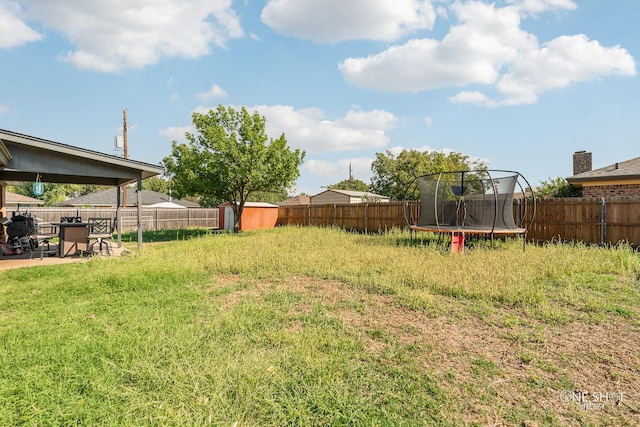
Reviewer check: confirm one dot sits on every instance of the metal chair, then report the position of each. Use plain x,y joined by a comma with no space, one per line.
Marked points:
70,219
100,233
43,233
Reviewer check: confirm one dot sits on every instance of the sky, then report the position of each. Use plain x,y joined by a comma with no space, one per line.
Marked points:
518,84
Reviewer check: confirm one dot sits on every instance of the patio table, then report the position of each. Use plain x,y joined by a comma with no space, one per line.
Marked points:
73,237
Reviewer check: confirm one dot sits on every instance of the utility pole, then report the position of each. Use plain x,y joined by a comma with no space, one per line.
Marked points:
350,177
126,152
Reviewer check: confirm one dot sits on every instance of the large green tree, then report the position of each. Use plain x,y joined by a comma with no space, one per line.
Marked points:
394,175
230,157
350,184
156,184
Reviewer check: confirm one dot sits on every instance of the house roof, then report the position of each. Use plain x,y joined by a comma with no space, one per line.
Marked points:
629,169
24,157
109,197
364,194
19,199
296,201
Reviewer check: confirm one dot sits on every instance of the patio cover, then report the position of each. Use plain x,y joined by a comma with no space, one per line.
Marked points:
23,157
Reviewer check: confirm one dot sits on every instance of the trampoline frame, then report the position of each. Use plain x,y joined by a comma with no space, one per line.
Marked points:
480,231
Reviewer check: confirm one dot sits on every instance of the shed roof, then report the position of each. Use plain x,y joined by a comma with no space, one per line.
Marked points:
252,205
629,169
23,157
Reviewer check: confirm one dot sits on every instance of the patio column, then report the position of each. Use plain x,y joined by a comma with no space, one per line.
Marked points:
139,201
119,215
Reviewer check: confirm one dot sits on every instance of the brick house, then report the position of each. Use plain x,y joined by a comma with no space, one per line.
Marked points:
618,179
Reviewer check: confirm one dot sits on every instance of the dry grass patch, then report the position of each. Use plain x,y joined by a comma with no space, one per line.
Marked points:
498,369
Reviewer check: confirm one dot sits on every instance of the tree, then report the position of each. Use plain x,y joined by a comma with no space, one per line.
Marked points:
55,193
350,184
558,187
156,184
393,175
230,157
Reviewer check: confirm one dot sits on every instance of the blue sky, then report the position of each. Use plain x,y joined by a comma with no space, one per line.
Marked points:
520,84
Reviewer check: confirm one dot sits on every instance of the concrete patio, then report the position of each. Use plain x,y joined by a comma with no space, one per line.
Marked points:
8,262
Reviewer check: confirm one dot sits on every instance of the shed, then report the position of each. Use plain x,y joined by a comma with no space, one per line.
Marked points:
332,196
254,215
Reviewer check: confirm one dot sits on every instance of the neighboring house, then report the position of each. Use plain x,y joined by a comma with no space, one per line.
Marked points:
331,196
618,179
107,198
19,201
300,200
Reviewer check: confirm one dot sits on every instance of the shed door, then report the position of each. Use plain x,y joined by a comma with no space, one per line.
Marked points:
228,218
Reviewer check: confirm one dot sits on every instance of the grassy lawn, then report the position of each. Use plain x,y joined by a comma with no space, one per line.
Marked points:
306,326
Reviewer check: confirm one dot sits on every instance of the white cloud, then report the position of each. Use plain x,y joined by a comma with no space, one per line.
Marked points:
489,48
215,92
13,30
473,97
177,133
471,53
111,35
428,120
4,109
310,130
336,171
558,64
330,21
539,6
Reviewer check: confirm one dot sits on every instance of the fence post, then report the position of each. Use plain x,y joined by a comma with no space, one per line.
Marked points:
602,220
366,218
334,216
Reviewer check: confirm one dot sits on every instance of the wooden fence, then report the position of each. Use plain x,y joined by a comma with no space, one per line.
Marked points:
151,218
590,220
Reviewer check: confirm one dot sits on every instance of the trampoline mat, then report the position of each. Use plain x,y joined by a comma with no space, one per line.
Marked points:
467,230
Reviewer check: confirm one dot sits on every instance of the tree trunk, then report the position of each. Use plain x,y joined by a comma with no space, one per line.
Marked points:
237,214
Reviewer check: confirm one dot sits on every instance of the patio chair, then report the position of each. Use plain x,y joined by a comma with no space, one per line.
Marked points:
100,233
42,235
70,219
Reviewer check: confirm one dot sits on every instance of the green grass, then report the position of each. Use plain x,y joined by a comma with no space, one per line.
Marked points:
305,326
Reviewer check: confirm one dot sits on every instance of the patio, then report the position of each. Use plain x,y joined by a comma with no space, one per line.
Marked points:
25,158
9,262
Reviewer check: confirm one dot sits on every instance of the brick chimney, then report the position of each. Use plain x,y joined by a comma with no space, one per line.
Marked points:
581,162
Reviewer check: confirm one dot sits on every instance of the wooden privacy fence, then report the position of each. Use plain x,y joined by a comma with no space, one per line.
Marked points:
590,220
150,218
366,217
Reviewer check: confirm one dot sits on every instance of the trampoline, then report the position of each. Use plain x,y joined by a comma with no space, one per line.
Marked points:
477,202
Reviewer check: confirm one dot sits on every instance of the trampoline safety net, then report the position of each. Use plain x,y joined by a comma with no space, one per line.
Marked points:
480,200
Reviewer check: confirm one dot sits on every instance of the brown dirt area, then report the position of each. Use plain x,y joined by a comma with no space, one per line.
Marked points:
496,364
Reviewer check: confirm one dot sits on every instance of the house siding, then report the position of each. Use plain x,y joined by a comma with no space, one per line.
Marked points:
329,197
611,190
